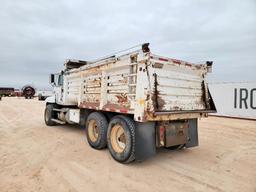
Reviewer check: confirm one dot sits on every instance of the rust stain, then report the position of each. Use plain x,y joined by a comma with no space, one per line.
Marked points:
115,106
176,108
122,98
89,104
124,80
158,102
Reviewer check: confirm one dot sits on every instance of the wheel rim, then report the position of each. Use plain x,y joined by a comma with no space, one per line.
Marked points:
93,130
118,138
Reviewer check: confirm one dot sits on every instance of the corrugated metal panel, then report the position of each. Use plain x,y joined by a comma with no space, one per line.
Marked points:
178,87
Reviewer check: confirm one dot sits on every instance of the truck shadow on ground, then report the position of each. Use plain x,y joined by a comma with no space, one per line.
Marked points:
71,128
163,155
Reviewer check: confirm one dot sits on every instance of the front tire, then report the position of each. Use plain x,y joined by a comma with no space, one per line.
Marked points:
96,130
121,139
49,114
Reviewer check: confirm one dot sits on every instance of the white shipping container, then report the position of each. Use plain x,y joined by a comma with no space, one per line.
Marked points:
235,99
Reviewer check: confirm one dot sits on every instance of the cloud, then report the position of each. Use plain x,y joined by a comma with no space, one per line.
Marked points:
37,36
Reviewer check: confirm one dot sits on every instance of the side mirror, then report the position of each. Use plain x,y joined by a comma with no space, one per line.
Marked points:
209,66
52,79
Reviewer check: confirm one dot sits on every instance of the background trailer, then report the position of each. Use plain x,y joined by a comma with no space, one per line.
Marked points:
235,99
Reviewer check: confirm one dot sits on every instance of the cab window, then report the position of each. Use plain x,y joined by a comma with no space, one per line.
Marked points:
60,80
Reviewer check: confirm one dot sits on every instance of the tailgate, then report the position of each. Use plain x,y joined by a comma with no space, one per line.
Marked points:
177,85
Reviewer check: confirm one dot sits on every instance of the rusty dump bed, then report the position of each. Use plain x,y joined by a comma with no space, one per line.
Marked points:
149,86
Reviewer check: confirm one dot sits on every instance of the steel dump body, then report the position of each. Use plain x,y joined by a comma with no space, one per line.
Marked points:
150,87
132,103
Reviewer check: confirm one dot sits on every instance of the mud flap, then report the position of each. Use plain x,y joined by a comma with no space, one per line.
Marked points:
192,133
145,140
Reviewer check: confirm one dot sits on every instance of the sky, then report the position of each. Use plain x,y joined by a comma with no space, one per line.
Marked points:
36,36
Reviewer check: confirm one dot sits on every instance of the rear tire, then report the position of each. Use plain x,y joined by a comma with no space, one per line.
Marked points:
121,139
49,114
96,130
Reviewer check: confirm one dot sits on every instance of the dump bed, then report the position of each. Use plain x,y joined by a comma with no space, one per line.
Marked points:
140,83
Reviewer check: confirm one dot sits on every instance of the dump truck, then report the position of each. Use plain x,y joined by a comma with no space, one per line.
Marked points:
132,102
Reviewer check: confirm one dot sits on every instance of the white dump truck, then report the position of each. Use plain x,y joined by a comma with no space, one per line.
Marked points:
132,102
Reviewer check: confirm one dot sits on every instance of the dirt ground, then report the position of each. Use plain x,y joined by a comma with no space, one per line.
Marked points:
34,157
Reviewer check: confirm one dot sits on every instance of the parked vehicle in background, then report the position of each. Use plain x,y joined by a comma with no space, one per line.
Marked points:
132,102
28,91
6,91
42,95
17,93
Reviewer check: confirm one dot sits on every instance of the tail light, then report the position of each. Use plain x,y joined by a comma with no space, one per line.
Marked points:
161,135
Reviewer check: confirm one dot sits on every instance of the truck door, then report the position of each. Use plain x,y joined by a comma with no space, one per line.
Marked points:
57,82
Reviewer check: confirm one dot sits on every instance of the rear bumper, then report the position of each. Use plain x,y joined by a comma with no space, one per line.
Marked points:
177,115
183,112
